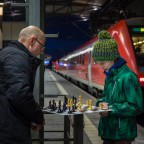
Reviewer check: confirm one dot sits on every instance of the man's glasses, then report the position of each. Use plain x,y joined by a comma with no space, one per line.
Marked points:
43,47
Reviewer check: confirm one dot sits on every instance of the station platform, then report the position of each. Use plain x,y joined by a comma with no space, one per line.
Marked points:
55,85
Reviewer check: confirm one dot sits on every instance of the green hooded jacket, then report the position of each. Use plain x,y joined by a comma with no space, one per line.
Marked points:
123,93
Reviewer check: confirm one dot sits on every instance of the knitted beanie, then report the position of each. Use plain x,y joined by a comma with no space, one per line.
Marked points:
105,49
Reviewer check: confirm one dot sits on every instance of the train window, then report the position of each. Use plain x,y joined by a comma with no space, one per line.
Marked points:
73,61
137,35
82,59
138,42
90,57
79,59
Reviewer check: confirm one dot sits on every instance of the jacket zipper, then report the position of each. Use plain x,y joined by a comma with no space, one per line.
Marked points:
112,94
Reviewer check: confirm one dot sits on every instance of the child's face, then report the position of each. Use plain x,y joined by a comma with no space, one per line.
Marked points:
105,65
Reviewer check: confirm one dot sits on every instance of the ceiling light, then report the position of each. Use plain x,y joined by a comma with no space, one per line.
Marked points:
95,8
1,11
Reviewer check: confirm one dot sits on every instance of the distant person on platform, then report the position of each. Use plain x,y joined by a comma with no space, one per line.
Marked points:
18,109
122,93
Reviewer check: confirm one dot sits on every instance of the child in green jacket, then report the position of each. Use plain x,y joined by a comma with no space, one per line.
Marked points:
122,93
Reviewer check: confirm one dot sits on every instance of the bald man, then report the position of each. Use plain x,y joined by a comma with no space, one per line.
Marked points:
18,65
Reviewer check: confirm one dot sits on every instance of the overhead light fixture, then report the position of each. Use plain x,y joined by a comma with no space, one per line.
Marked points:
95,8
1,11
1,4
19,4
84,18
52,35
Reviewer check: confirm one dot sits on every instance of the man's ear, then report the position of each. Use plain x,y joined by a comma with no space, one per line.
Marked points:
32,40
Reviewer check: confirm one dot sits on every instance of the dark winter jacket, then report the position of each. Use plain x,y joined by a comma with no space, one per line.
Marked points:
123,93
17,105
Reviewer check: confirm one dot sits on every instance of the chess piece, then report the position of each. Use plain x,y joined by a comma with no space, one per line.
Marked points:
64,106
65,100
79,106
59,107
100,105
69,104
87,103
74,102
69,110
50,105
90,105
73,108
53,107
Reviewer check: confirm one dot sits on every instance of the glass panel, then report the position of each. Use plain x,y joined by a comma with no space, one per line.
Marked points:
138,42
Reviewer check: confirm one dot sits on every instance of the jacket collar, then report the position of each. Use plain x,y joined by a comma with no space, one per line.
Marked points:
119,63
18,45
118,70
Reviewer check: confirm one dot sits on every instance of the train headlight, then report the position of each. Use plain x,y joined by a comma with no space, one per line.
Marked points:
141,79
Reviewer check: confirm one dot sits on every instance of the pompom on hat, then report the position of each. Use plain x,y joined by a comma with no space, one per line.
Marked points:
105,49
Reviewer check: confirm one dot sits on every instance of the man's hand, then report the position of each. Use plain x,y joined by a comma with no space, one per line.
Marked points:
37,127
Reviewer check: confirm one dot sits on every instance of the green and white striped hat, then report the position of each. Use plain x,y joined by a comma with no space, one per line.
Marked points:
105,49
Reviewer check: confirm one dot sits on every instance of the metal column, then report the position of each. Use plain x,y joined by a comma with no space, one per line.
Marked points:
36,17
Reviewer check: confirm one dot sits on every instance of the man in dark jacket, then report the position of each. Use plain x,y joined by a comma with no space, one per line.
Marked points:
18,65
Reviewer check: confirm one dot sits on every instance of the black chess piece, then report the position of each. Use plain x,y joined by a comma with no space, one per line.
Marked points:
73,108
59,107
64,106
53,107
50,105
74,102
69,110
65,99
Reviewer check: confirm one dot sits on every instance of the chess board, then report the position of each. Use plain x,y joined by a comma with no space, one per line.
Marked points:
66,112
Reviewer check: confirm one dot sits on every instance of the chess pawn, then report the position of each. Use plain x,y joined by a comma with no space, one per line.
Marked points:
90,105
87,103
100,105
53,107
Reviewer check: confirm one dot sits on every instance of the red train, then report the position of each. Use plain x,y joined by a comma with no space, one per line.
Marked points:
80,67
